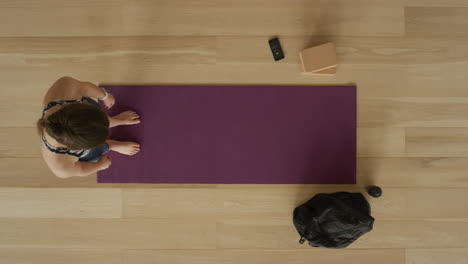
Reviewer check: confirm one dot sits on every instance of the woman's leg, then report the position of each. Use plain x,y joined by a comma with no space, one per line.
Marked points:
124,118
123,147
95,154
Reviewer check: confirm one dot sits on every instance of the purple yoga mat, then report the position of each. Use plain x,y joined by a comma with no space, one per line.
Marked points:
236,134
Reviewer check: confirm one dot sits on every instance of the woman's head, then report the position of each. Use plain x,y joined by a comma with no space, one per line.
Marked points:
77,126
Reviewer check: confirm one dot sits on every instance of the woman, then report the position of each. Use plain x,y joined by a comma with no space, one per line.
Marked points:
74,129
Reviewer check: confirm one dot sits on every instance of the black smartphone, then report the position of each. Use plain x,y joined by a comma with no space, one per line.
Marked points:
276,49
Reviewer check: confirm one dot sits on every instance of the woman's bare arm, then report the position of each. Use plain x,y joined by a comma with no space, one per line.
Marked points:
68,168
91,90
68,88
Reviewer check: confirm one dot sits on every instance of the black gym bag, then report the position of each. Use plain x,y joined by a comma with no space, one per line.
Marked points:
333,220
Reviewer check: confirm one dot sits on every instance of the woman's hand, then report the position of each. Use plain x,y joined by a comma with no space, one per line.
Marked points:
109,102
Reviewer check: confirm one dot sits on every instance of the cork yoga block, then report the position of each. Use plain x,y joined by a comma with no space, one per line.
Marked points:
319,60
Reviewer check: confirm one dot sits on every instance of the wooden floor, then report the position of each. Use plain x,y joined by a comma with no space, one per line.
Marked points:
409,59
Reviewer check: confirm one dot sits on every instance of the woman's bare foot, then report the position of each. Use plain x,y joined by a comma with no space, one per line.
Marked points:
124,118
124,147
